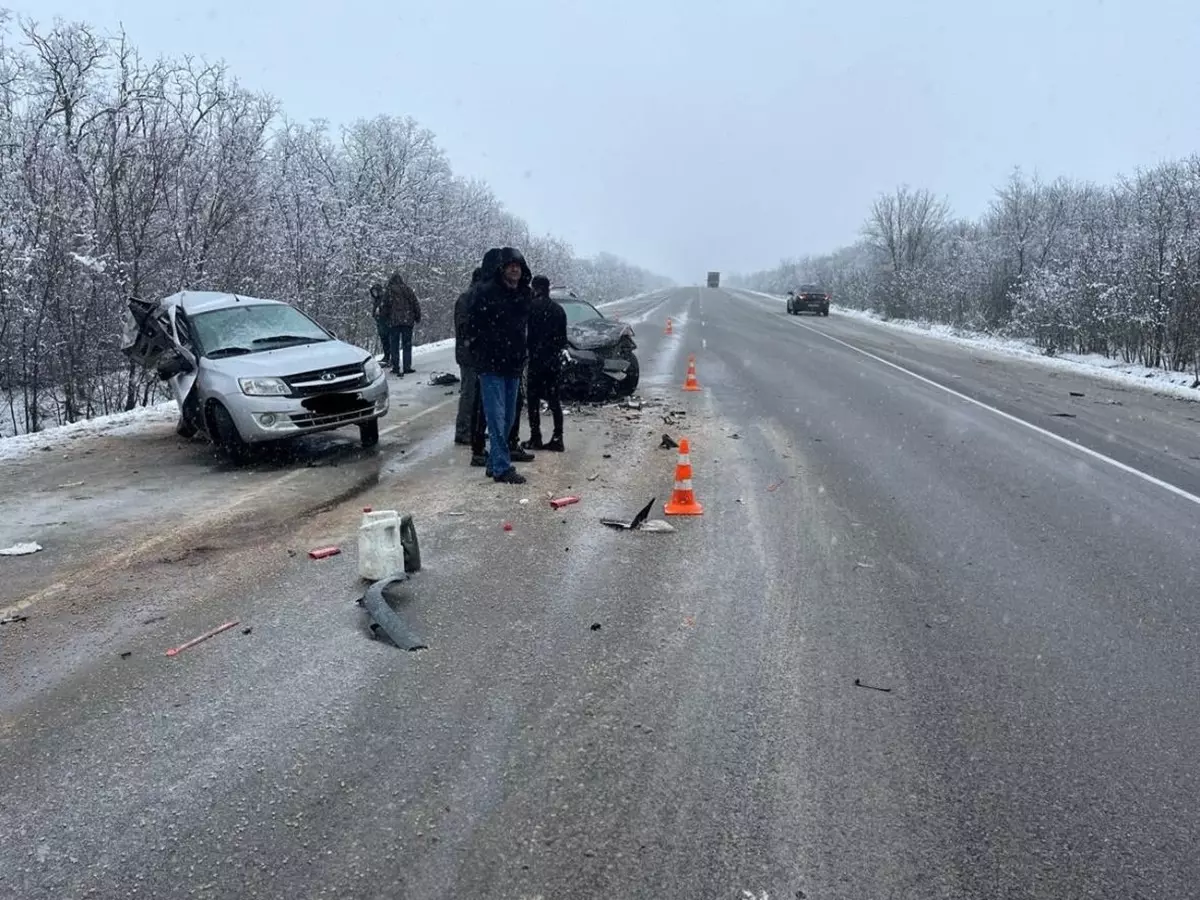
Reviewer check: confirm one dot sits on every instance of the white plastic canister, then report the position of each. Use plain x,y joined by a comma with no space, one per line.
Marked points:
380,551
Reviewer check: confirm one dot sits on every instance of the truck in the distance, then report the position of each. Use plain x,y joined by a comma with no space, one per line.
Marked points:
714,279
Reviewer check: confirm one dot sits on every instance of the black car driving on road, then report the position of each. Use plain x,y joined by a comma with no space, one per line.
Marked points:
600,362
808,298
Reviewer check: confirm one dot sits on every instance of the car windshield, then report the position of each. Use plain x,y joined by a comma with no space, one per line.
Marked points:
579,311
251,328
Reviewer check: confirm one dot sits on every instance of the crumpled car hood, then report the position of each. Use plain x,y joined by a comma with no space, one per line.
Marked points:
595,334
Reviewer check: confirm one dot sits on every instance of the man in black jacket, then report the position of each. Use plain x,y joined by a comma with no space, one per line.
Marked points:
547,340
497,332
468,392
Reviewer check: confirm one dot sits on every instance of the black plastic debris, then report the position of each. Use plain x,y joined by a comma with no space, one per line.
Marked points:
668,443
248,629
1076,393
386,621
858,682
126,654
1063,415
635,523
595,626
14,619
441,379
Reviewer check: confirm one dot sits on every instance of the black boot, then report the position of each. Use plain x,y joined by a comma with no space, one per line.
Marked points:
534,442
516,454
479,460
555,445
512,476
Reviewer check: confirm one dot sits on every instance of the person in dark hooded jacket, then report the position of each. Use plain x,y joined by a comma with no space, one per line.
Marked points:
547,340
464,423
404,310
497,334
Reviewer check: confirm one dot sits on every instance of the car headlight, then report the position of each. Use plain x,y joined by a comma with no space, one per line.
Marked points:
372,369
264,387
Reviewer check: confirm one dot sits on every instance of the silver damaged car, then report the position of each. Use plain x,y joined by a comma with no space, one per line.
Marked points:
246,370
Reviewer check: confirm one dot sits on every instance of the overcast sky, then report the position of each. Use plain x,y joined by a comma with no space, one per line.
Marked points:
686,135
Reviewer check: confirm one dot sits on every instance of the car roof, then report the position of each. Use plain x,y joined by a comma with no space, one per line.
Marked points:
194,302
809,286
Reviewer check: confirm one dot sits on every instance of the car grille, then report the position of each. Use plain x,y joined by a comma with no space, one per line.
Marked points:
321,381
320,420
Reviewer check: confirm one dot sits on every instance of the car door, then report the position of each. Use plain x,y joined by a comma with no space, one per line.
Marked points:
157,347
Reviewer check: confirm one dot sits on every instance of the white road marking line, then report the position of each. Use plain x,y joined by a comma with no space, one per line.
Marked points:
1087,451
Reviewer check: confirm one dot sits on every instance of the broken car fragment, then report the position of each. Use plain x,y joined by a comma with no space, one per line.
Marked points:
386,619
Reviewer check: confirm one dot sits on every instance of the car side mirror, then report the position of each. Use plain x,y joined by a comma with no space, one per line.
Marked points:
172,364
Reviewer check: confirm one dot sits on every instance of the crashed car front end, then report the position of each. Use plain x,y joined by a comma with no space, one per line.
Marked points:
598,365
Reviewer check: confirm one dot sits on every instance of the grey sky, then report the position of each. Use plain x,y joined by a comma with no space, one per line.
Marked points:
691,134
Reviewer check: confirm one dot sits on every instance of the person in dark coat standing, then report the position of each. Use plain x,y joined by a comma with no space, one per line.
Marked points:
468,392
497,331
405,312
382,317
547,341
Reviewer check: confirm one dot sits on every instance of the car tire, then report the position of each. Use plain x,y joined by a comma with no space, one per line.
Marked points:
188,423
825,311
369,433
229,439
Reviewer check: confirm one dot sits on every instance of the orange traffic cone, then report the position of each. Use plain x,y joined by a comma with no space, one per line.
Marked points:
683,500
668,331
691,384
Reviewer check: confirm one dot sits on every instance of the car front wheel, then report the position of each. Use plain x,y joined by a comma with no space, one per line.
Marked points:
369,433
229,439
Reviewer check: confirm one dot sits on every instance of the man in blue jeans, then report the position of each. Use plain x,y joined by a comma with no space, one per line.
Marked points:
497,326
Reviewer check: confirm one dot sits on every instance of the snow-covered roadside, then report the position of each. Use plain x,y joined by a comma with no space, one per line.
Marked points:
22,445
1176,384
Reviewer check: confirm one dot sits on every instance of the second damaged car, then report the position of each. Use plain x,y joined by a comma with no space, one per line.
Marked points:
600,358
245,370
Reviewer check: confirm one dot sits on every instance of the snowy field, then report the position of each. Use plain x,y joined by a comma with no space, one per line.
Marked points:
1176,384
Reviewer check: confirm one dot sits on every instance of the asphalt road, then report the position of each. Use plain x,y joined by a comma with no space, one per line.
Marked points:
611,714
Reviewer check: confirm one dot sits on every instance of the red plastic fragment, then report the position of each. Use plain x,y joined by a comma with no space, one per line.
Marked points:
563,501
324,552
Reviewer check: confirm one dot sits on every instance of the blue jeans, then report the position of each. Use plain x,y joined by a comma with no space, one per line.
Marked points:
500,410
400,335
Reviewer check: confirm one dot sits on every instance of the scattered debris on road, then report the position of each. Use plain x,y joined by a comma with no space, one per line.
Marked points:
657,526
441,379
524,501
864,565
858,682
668,443
593,476
633,524
324,552
175,651
1062,415
386,621
1076,393
560,502
248,629
125,654
153,619
21,549
14,619
70,484
595,626
736,436
507,526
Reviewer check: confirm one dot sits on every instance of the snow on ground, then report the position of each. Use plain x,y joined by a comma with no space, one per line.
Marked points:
14,448
1177,384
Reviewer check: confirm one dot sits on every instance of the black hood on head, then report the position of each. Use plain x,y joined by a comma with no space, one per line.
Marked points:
497,258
